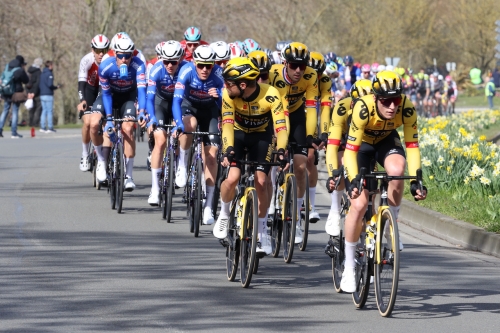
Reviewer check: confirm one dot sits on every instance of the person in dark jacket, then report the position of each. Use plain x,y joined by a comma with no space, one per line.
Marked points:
19,78
47,88
33,89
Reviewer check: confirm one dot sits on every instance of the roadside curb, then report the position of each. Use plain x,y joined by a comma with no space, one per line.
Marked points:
454,231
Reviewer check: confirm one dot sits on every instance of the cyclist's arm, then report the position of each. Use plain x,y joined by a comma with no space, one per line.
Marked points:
227,122
150,95
360,117
310,103
411,137
107,99
180,86
339,118
83,70
326,103
279,120
141,84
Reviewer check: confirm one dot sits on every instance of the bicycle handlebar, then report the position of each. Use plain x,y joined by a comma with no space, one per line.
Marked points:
203,133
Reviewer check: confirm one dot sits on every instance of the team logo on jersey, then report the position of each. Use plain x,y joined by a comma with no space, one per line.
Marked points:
141,76
123,83
408,112
170,88
198,93
379,124
390,124
179,85
363,114
254,108
415,135
244,106
341,111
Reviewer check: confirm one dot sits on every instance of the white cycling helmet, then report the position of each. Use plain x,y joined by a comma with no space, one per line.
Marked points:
204,53
221,50
236,51
171,50
389,68
119,35
440,77
125,45
381,68
158,48
100,42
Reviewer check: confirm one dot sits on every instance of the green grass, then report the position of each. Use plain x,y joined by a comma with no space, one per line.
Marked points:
472,101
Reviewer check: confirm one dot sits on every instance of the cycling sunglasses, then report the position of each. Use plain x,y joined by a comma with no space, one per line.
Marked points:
388,101
192,44
263,76
207,66
125,56
221,63
294,66
170,62
103,51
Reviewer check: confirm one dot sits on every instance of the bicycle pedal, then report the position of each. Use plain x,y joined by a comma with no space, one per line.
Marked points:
224,242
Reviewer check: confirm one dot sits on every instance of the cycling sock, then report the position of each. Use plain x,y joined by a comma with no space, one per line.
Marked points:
85,147
336,198
395,210
155,175
129,166
210,196
105,153
262,225
182,157
224,208
98,151
312,197
350,250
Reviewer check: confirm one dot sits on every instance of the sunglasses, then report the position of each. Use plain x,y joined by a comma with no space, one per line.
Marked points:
263,76
221,63
170,62
207,66
192,44
294,66
125,56
229,84
103,51
388,101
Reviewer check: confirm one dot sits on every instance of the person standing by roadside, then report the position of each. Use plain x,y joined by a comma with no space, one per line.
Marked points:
33,89
47,88
489,91
15,73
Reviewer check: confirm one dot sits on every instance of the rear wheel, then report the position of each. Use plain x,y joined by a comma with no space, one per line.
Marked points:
248,243
121,179
216,196
387,269
290,217
233,248
198,199
276,223
363,274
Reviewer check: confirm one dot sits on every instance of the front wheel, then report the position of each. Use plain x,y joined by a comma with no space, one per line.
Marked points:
290,217
304,222
169,185
387,268
248,243
198,198
362,273
120,180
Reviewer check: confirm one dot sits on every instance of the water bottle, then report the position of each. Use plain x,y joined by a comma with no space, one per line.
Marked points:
123,71
112,135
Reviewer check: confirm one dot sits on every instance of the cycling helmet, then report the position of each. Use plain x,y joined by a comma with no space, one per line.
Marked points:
261,60
270,56
357,64
158,48
221,50
361,88
340,61
192,34
250,45
317,61
116,37
281,44
348,60
330,56
171,50
440,77
331,68
125,45
296,52
235,51
381,68
204,53
240,69
448,78
100,42
389,68
387,84
366,68
241,45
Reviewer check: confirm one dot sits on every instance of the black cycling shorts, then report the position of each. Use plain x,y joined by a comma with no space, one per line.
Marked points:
163,110
297,133
258,145
123,102
208,117
91,94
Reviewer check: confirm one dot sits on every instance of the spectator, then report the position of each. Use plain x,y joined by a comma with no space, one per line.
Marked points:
47,88
489,91
496,77
19,77
33,88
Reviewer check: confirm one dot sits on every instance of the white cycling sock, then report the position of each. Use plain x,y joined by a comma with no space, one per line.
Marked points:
395,210
312,196
182,157
210,196
262,225
100,156
155,175
129,166
350,251
224,208
85,151
336,198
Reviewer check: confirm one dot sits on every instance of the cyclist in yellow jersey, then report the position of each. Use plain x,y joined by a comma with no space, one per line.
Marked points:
339,126
317,62
251,113
373,136
298,87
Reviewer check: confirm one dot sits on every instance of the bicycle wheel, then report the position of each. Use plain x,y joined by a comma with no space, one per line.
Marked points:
290,220
216,196
121,178
248,243
277,223
233,248
188,195
387,269
169,186
304,222
363,274
94,167
198,198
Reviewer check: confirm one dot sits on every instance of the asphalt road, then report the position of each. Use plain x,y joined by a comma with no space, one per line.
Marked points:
70,263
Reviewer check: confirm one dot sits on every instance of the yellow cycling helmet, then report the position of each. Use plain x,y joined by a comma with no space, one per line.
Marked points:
317,61
296,52
361,88
240,69
387,84
261,60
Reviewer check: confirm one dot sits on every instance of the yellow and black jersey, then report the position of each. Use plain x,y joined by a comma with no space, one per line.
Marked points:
300,95
325,100
264,108
368,126
337,131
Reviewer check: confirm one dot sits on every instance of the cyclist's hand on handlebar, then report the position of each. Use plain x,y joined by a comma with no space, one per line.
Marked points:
354,188
82,106
416,192
152,122
281,157
330,184
109,126
141,118
228,156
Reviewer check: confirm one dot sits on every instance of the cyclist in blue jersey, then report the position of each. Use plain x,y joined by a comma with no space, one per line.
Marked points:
123,81
160,93
197,101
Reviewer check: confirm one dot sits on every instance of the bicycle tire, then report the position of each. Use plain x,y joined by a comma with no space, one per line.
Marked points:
248,243
338,246
90,157
304,224
363,274
198,199
276,224
233,248
121,179
188,197
111,180
387,270
216,196
169,186
163,187
290,220
94,179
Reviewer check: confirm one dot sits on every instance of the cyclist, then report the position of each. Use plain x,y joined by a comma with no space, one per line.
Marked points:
160,93
197,97
123,81
373,135
298,87
338,89
222,53
150,63
317,62
111,51
351,72
192,39
366,72
339,126
251,113
236,51
451,91
250,45
88,89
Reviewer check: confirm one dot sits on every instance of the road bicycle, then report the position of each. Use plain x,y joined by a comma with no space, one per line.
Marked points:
167,187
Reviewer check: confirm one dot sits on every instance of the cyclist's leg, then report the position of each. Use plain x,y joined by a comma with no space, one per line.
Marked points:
160,138
185,142
332,225
84,165
128,110
100,140
312,172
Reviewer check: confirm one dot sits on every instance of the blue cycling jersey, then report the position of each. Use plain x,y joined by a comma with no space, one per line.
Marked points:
161,83
109,77
190,87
